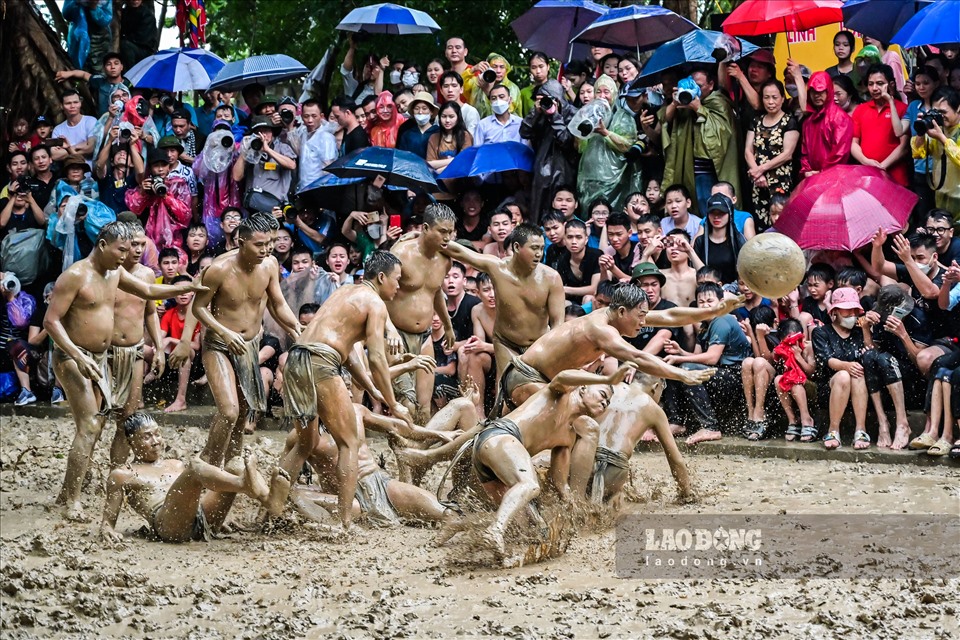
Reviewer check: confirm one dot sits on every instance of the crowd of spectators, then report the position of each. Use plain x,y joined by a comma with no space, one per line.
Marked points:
661,192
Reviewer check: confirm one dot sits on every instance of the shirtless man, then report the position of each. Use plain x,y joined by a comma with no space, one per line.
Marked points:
579,342
180,502
478,349
130,314
420,296
499,228
240,285
681,278
80,320
380,498
529,294
314,390
561,418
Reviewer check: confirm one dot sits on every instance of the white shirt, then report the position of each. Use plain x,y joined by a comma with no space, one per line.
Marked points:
471,118
78,134
315,152
187,174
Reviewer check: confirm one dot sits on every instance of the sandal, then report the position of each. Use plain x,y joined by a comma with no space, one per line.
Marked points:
831,436
861,436
923,441
793,432
808,433
955,450
940,448
759,430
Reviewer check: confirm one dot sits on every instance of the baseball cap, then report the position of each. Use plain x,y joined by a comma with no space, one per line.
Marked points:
845,298
647,269
720,202
221,124
262,122
41,121
156,156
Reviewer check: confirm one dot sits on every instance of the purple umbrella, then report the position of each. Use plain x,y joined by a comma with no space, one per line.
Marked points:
637,27
551,24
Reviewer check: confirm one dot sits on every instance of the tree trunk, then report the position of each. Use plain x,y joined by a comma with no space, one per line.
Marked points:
58,20
685,8
161,22
32,57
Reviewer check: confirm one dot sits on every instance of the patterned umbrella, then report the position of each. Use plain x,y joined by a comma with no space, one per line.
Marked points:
176,70
841,208
635,27
258,70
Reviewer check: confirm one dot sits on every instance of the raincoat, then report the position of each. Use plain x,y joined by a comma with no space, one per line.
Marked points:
62,232
168,216
383,133
481,101
826,134
946,197
89,37
602,163
715,124
220,190
555,156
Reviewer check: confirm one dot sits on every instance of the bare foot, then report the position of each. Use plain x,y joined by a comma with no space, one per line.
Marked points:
704,435
253,482
74,512
411,463
199,382
678,429
450,529
279,490
901,438
883,438
249,428
494,541
178,405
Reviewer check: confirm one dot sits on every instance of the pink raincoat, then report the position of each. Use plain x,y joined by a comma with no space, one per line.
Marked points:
827,133
168,216
384,132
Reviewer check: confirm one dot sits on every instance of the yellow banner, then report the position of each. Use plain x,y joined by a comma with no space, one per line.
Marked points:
813,48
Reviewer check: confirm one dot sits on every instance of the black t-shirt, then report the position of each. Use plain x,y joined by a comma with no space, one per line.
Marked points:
551,257
646,333
462,319
952,253
809,305
356,139
115,196
476,234
273,361
625,264
828,344
721,256
589,266
19,223
926,311
36,320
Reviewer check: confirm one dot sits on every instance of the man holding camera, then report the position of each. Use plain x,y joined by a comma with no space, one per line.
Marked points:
942,144
267,162
171,146
116,169
312,142
700,142
20,209
164,200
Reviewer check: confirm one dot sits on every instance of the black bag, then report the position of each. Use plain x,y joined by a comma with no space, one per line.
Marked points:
255,200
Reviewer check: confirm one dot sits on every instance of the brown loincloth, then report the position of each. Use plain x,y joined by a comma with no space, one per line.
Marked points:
374,500
123,362
517,374
246,367
609,467
405,386
496,427
307,364
104,384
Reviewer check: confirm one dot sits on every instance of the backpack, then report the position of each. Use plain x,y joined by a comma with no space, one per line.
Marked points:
25,253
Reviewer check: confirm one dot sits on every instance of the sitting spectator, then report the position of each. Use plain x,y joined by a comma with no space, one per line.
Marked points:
676,205
681,277
196,246
815,308
795,363
617,261
741,219
14,329
102,84
881,129
228,231
553,230
171,331
415,133
597,224
472,226
939,225
75,130
579,266
757,371
500,226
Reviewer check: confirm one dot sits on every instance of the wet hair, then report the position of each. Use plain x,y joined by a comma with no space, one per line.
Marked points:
483,279
821,271
679,188
763,314
574,311
181,278
852,277
379,262
308,308
884,69
605,288
709,272
680,232
923,240
790,326
137,421
522,233
552,216
951,95
113,231
709,287
436,212
168,252
576,223
618,220
649,218
628,296
257,223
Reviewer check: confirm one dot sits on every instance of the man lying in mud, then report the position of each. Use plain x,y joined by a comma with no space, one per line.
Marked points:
382,500
180,502
561,417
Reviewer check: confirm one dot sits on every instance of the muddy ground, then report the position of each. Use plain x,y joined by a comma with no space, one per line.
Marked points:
57,580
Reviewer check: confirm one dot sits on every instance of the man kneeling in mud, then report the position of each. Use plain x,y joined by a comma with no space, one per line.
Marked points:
180,502
379,498
560,417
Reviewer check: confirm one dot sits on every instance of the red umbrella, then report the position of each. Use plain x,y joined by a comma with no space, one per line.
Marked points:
841,208
760,17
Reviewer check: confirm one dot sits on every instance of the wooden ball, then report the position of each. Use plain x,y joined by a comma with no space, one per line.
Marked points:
771,264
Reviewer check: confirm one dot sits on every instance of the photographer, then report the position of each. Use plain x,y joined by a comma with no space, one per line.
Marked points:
484,84
942,144
165,106
268,163
545,126
312,143
163,200
21,210
187,137
171,146
116,170
14,327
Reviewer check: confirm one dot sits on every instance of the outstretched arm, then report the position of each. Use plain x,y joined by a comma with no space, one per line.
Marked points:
139,288
680,316
113,505
610,342
569,379
479,261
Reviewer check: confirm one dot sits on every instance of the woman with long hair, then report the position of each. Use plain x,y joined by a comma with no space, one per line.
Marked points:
769,149
926,81
451,139
845,94
721,244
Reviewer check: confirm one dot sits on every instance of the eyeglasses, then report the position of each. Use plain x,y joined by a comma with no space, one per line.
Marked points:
937,231
233,218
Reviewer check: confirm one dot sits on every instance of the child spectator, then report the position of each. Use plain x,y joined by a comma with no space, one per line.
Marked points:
169,270
794,360
171,332
677,207
815,307
445,384
757,371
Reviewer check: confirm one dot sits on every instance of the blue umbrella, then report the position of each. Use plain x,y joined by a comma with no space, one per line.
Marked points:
176,70
389,18
400,168
635,27
696,46
938,23
258,70
489,158
880,19
327,181
551,24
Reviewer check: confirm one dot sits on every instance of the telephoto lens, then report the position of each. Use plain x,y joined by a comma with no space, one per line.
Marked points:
286,116
684,97
256,144
143,109
226,142
546,102
489,76
124,135
159,186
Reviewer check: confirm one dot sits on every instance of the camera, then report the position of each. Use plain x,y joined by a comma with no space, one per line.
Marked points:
25,184
256,143
81,210
687,91
125,135
289,211
159,186
118,105
168,102
546,102
286,117
226,141
585,128
637,149
489,76
11,282
143,108
925,122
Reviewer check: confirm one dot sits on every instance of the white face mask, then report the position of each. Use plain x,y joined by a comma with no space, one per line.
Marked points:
410,78
500,107
924,268
421,118
848,323
394,77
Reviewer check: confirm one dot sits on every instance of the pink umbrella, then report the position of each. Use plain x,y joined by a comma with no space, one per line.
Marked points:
842,207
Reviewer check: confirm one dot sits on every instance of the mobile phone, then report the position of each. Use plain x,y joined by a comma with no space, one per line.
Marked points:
379,180
899,312
394,221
